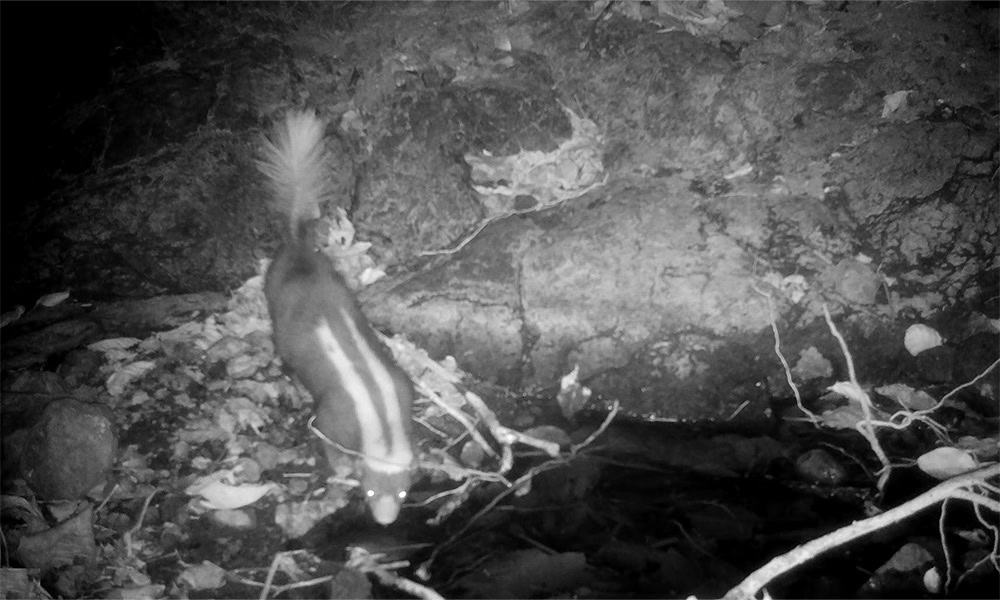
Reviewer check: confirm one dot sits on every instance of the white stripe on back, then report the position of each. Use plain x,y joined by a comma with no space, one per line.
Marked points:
390,455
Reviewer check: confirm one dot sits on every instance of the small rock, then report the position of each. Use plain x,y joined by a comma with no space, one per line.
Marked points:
70,543
818,466
81,366
69,450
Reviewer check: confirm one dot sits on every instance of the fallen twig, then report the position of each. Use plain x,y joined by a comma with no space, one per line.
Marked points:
755,582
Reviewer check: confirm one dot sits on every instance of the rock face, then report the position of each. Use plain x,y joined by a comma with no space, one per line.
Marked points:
589,285
653,193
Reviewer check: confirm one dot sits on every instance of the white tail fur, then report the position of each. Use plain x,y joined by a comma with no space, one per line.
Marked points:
293,161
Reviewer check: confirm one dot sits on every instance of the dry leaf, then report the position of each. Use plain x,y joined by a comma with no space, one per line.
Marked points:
946,462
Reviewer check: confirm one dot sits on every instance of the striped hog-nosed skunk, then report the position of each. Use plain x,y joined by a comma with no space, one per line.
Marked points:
362,398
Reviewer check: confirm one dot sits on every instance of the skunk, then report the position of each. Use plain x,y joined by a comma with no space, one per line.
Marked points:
362,398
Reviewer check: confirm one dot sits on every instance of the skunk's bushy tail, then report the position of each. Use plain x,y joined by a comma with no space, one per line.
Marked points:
293,160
